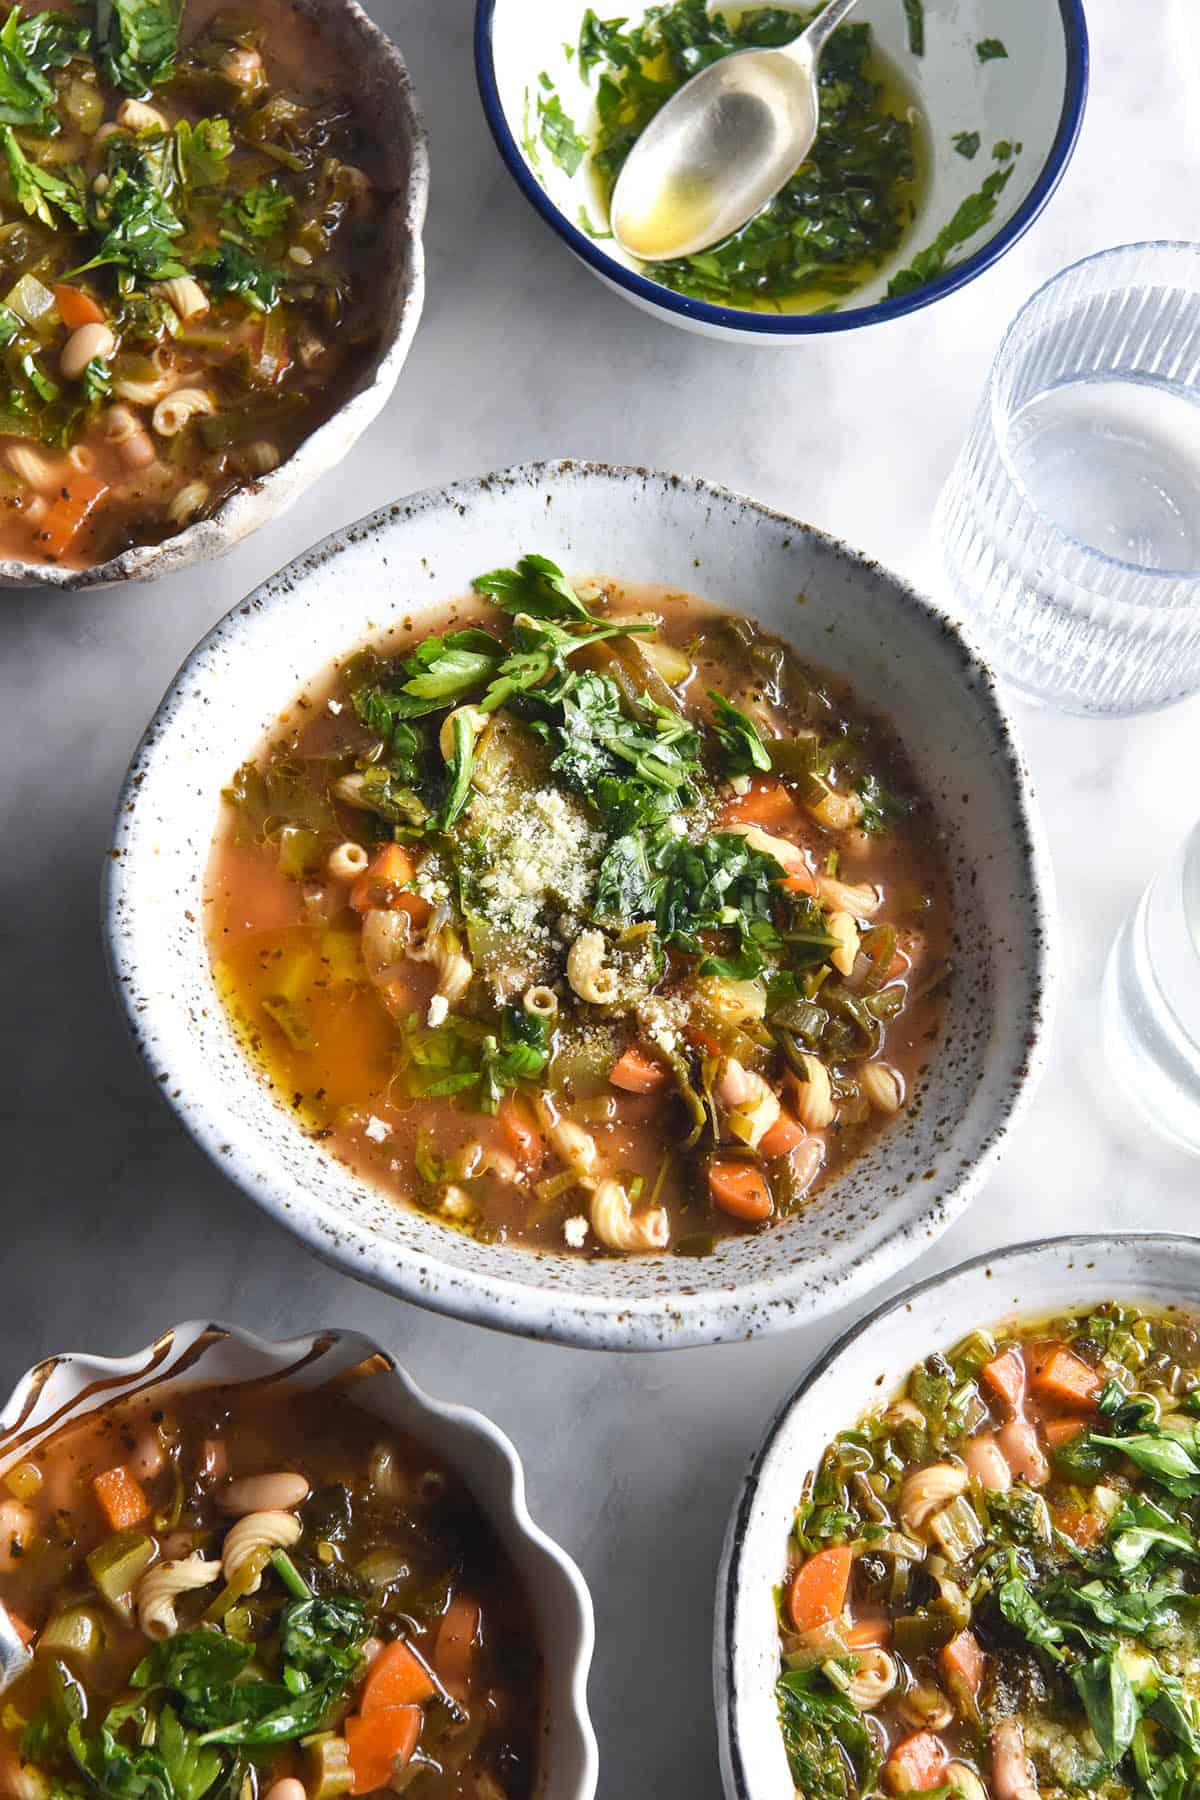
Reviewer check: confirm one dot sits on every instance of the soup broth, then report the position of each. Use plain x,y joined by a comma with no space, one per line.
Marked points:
190,264
226,1589
600,925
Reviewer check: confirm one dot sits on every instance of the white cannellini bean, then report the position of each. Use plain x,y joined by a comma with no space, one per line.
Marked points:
986,1464
288,1789
1013,1775
1023,1453
32,468
263,1493
135,115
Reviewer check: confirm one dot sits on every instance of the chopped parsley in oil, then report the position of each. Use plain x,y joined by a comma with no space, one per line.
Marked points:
847,208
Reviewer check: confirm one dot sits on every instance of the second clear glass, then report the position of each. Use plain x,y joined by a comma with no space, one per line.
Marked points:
1070,525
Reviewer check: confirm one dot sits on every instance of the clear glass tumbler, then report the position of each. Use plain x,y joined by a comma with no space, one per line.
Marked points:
1070,526
1151,1001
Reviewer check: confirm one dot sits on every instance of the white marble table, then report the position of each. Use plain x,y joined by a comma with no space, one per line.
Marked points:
113,1223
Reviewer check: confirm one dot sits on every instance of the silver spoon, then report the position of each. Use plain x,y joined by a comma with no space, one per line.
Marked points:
722,147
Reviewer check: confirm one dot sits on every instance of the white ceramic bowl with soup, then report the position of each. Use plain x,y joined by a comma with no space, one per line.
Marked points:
864,1367
995,89
240,404
64,1390
899,654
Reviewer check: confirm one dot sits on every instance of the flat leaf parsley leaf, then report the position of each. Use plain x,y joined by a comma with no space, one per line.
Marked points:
136,41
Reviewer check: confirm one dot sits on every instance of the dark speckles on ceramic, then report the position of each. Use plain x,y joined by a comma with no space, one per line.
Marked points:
385,93
901,654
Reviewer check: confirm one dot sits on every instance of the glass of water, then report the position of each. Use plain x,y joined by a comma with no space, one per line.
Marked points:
1151,1001
1070,525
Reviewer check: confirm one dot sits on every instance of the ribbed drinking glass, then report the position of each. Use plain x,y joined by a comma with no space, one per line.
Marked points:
1070,526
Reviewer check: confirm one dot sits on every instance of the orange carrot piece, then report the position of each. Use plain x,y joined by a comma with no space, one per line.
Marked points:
962,1659
817,1592
800,880
783,1136
768,804
916,1764
520,1132
741,1190
1005,1375
68,513
76,308
1058,1374
385,883
868,1634
1061,1431
457,1637
1080,1524
381,1744
398,1677
637,1072
121,1497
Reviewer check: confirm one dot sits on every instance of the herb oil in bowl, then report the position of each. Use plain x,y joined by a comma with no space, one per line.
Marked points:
849,207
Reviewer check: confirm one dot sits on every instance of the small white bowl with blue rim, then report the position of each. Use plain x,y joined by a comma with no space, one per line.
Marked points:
1032,96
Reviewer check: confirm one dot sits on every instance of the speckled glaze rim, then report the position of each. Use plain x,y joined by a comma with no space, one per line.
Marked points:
770,327
663,1320
256,502
1076,1245
177,1354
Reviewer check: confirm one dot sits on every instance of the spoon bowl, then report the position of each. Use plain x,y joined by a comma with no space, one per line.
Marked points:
716,154
722,147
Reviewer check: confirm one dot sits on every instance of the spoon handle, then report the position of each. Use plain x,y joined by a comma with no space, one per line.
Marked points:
823,27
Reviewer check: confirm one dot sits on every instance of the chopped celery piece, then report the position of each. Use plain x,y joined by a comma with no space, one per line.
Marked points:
118,1564
30,299
237,1585
291,1022
79,1631
957,1529
290,1575
299,852
327,1770
673,665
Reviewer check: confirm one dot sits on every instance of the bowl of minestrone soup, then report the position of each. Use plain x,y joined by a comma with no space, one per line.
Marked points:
210,272
597,906
964,1558
343,1593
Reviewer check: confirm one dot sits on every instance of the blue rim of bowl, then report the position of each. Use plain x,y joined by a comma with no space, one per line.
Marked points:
768,325
726,1697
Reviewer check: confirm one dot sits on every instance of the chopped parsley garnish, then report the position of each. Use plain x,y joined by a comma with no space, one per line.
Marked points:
967,143
136,41
989,49
914,18
261,211
740,739
138,223
559,134
202,152
232,269
976,211
97,381
28,48
38,190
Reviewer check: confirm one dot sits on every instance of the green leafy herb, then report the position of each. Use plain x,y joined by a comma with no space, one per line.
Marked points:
260,211
442,671
136,41
988,49
967,143
537,587
462,764
1022,1609
97,381
559,135
739,737
826,1738
520,1053
914,18
28,48
882,810
972,215
231,269
202,152
138,225
1110,1704
38,189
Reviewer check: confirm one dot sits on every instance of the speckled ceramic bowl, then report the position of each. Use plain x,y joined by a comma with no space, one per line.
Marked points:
868,1362
386,96
66,1387
1032,97
902,655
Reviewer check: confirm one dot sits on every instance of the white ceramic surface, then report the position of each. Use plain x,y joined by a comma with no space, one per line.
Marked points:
393,113
1034,96
866,1364
67,1387
901,654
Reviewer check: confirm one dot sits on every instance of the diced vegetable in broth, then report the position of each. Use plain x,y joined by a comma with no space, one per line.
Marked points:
539,921
190,228
291,1611
992,1582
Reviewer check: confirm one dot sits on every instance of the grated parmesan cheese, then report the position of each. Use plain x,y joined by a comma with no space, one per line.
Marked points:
575,1231
334,706
376,1130
439,1006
